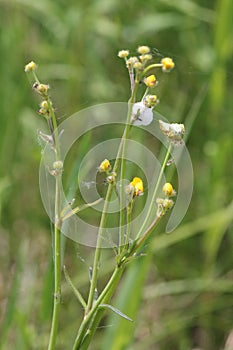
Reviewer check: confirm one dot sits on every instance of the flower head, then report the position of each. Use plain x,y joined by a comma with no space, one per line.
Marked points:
169,190
137,184
138,65
31,66
168,64
131,61
146,57
143,50
150,81
123,53
104,166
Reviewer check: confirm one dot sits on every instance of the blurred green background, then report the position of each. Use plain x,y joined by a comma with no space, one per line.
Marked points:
180,294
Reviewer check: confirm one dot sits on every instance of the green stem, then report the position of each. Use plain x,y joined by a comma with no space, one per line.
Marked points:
152,203
99,239
128,228
98,250
123,162
57,289
105,295
52,123
119,157
152,66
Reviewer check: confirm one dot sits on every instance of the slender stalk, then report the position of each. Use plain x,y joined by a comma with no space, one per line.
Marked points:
99,239
151,66
57,233
123,162
98,250
106,294
128,228
90,323
152,204
52,124
120,155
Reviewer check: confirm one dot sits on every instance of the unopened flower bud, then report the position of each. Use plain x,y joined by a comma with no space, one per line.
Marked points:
145,57
150,101
58,165
131,61
111,179
43,111
143,50
41,88
123,53
104,166
31,66
164,205
169,190
138,65
150,81
44,104
168,64
137,185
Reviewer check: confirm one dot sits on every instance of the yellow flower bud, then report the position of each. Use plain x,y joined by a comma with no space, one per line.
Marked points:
31,66
123,53
168,64
143,50
137,185
150,81
104,166
168,190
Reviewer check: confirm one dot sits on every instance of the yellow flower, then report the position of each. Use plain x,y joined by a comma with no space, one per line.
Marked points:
143,50
169,190
137,185
104,166
31,66
168,64
150,101
123,53
150,81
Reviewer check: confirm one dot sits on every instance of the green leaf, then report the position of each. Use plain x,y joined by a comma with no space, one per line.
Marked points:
118,312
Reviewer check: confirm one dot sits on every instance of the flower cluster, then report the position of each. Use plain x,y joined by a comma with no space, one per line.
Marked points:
41,89
139,67
165,204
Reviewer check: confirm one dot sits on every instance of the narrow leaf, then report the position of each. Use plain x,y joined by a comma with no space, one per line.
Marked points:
118,312
75,290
